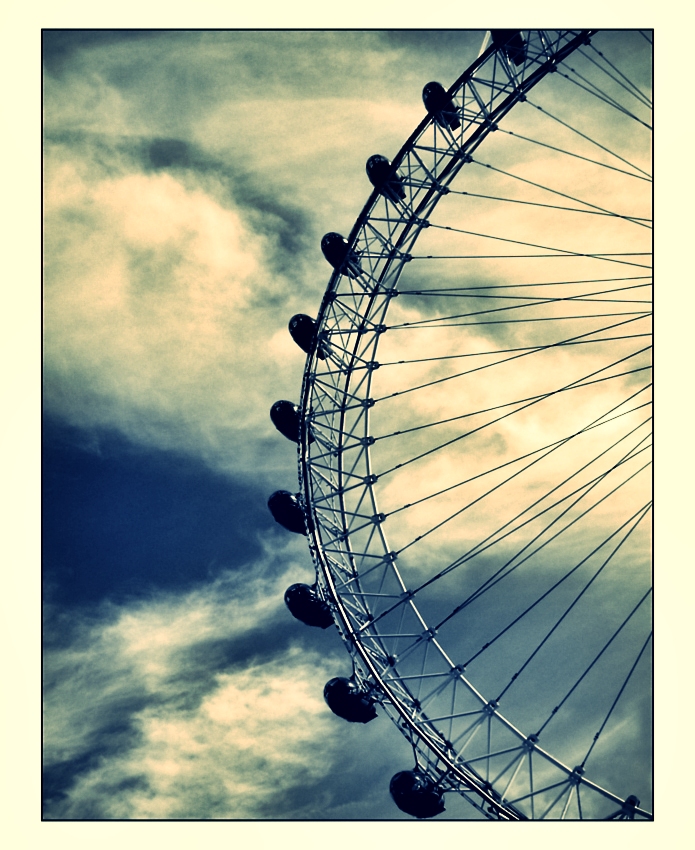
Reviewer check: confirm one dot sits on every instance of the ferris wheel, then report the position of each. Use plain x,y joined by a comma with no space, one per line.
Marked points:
474,436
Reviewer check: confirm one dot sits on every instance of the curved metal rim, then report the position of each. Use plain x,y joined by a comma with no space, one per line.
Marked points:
393,265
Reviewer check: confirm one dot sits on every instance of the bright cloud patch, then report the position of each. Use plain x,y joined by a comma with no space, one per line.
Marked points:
173,735
149,324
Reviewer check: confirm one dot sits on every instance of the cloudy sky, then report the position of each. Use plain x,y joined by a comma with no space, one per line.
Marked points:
188,179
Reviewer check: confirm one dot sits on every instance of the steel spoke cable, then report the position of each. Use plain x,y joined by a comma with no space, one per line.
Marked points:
556,443
635,89
615,701
530,301
461,292
525,353
553,587
645,36
503,351
596,92
607,258
507,569
532,400
523,285
548,189
597,255
474,502
497,576
552,206
577,156
593,663
636,313
486,544
588,138
569,608
502,406
569,573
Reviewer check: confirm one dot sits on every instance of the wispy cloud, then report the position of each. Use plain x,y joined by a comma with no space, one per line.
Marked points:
196,705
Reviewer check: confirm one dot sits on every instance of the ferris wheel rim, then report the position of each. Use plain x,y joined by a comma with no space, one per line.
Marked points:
398,259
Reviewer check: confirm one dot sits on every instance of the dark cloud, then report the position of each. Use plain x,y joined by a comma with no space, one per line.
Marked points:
289,228
148,520
60,46
164,153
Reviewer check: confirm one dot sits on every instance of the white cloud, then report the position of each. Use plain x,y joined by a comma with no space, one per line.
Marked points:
178,751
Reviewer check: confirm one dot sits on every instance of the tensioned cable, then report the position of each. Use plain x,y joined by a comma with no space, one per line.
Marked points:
578,156
569,608
539,300
500,351
527,402
593,89
507,569
525,285
473,292
478,499
584,674
549,449
549,206
548,189
488,542
538,397
525,352
615,701
604,257
634,89
434,321
492,469
477,595
484,545
508,360
645,36
588,138
637,313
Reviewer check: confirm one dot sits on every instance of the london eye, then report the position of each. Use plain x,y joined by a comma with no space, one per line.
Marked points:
474,436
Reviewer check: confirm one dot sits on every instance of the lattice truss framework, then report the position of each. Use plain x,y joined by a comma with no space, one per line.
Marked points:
458,735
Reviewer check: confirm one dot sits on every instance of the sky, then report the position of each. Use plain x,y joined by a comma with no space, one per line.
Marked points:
181,232
189,178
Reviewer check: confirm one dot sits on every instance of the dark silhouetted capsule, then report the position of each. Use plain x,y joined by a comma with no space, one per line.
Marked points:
306,606
285,417
345,699
336,250
440,105
383,177
303,332
287,511
416,794
513,44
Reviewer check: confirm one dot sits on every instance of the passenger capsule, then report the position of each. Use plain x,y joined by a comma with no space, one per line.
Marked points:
303,331
440,105
344,698
383,177
285,416
305,606
513,44
287,511
337,251
416,794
